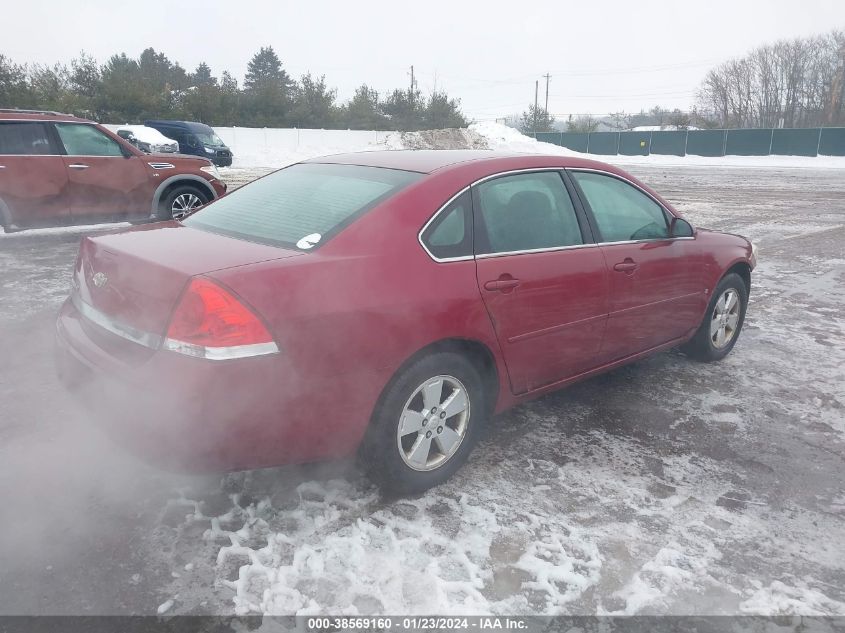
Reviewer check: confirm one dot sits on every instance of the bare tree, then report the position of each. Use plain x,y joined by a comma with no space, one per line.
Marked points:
791,83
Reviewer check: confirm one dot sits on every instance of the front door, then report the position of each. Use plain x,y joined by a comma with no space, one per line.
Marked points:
543,282
104,181
33,179
655,279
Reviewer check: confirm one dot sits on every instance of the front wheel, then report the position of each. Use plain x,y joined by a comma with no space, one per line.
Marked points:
722,322
182,202
426,425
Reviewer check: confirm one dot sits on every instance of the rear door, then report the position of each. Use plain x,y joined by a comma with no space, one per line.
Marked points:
33,179
543,280
104,182
655,282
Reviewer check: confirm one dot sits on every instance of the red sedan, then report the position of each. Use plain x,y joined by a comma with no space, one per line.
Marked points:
387,302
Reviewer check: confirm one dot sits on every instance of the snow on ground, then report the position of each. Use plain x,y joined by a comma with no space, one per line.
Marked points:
667,487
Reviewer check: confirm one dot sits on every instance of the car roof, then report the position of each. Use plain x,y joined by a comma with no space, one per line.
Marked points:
14,114
186,125
428,161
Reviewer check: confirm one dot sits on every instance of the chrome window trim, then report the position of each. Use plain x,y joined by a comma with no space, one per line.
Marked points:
441,260
652,239
604,172
130,333
551,249
446,260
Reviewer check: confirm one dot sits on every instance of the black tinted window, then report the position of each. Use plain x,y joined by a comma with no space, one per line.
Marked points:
622,211
26,138
526,212
450,235
302,205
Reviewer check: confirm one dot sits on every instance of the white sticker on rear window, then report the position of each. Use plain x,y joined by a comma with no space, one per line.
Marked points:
309,241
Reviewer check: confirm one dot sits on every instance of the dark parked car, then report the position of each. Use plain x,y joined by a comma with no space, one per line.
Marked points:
389,302
58,169
195,138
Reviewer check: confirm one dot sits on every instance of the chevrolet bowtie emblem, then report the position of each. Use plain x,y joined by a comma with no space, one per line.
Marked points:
99,280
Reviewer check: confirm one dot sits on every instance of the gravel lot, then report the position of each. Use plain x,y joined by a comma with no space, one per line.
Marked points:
664,487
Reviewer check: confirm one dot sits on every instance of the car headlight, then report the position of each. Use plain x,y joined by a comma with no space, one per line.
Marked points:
211,169
210,150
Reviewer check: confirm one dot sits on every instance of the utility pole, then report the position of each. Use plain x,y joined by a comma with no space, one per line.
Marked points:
536,94
547,76
411,93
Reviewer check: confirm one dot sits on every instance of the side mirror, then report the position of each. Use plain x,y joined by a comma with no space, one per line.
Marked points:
680,228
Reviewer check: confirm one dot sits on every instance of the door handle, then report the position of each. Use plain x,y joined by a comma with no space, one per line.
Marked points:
627,266
2,167
77,166
502,284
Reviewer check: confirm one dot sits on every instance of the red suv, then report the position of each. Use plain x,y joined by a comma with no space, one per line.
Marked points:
58,169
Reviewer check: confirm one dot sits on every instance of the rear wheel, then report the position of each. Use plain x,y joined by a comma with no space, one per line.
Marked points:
722,323
426,425
181,202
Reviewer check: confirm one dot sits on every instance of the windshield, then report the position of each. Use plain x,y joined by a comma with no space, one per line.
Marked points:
212,140
301,206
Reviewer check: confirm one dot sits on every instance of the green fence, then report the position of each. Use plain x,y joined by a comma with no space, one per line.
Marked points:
828,141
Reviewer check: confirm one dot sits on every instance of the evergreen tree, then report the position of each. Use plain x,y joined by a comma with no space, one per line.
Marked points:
14,92
313,104
544,121
442,112
85,85
202,76
404,109
267,89
364,112
201,101
49,86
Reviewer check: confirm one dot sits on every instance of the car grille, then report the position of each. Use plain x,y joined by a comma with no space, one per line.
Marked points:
224,153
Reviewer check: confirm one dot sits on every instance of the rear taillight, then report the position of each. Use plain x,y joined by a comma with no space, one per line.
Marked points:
211,323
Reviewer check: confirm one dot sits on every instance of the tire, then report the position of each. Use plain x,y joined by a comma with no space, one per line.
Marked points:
720,328
437,443
177,204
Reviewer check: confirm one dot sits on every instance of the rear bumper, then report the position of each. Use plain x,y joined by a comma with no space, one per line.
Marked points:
192,414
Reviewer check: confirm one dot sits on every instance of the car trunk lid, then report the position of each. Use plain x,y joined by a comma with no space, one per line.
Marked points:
129,282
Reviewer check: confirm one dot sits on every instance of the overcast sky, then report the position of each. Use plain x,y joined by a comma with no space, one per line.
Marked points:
603,56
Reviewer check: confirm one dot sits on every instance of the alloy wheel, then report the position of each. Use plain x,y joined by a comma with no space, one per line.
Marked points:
725,318
433,424
184,204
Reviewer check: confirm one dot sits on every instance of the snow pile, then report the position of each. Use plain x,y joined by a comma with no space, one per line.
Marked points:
503,138
450,138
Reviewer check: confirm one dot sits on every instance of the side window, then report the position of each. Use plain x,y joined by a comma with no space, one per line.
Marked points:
450,235
25,138
622,211
525,212
81,139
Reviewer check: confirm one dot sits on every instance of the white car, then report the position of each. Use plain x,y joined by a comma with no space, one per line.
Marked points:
146,139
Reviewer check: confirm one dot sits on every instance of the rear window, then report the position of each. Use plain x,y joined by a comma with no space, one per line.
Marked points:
301,206
25,138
